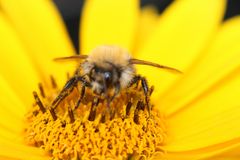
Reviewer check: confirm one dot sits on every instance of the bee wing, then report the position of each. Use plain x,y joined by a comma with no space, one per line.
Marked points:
71,58
142,62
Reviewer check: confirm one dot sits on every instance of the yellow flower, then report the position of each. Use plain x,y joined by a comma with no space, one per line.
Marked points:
201,107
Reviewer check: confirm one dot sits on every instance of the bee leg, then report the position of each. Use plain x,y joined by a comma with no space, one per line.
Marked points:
146,91
67,89
110,99
135,80
81,97
145,88
116,92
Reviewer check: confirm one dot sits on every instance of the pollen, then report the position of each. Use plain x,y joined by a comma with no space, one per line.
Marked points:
92,128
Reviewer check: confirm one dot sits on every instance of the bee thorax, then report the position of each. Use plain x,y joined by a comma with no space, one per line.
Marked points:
126,76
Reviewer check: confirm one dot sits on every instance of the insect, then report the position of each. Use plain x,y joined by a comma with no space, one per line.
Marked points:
106,70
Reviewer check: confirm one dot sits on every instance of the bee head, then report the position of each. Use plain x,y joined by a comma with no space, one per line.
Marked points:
104,78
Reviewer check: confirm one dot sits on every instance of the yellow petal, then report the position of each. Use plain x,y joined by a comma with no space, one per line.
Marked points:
207,153
147,23
6,158
41,29
15,66
11,127
12,109
20,151
10,136
221,158
108,22
233,154
213,119
183,31
222,57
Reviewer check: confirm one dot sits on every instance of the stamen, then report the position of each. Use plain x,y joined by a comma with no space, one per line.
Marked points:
136,112
71,116
86,126
103,118
129,105
53,82
112,114
40,86
68,75
92,114
39,102
54,116
151,90
63,124
140,105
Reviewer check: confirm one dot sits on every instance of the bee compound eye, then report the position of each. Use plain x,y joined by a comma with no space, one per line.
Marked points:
108,76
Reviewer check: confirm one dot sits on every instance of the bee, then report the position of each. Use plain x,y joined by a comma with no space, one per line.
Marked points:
106,70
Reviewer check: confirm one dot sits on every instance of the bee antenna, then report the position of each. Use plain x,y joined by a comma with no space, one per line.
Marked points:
142,62
77,57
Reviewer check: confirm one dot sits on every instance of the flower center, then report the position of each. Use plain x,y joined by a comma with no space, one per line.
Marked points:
94,128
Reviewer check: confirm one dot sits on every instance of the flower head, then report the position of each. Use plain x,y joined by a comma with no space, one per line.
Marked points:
195,115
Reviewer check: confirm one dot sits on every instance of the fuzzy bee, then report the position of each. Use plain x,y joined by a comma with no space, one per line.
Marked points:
106,70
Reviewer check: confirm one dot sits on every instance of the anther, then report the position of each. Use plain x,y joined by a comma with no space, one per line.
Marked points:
130,157
151,90
92,114
136,117
129,105
71,116
63,124
112,114
54,116
140,105
68,75
45,121
103,118
35,113
53,82
40,86
110,146
39,102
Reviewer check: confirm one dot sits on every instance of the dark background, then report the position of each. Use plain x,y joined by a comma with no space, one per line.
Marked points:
71,11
